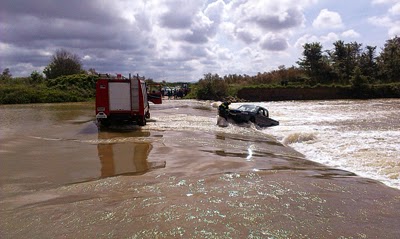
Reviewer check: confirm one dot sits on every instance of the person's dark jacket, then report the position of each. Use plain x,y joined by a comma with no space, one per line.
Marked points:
223,110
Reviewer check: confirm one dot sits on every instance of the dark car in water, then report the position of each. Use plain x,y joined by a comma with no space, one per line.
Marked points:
252,113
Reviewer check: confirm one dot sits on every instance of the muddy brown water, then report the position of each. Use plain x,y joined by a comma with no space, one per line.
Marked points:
180,176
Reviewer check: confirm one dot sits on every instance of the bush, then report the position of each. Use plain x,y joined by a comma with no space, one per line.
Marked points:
71,88
80,80
212,87
17,94
63,63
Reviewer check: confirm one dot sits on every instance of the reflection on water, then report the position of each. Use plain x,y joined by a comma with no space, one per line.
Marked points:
123,157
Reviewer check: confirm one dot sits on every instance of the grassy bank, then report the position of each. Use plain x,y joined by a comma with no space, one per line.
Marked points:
74,88
20,94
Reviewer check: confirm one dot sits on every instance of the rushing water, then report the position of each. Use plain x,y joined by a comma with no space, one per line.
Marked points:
358,136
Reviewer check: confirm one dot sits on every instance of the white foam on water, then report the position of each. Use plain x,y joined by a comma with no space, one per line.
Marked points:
358,136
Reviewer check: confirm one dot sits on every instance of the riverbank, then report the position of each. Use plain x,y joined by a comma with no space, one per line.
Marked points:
73,181
255,94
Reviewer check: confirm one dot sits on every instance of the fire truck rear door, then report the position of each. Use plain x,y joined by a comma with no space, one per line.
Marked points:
120,97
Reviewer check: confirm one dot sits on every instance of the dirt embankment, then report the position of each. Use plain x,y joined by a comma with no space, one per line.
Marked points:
320,93
277,94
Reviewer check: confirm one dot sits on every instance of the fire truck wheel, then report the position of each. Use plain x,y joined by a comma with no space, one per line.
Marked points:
142,121
105,123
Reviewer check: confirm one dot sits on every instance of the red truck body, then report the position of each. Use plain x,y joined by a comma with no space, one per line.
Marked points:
121,100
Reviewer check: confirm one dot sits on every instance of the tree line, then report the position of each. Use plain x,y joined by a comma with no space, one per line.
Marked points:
346,64
346,60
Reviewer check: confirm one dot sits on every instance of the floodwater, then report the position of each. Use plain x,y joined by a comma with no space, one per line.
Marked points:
181,176
361,136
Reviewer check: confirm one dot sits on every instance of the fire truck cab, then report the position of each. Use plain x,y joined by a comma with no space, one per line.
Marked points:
121,100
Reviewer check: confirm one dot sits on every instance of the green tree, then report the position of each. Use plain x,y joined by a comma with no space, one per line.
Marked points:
5,75
212,87
338,56
314,63
389,60
359,83
344,59
353,57
368,63
36,77
63,63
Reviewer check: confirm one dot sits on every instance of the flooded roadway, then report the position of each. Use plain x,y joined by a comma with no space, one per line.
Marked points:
180,176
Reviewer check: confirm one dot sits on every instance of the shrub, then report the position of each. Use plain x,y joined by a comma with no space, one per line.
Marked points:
212,87
71,88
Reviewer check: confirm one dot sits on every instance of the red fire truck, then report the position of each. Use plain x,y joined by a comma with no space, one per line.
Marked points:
121,100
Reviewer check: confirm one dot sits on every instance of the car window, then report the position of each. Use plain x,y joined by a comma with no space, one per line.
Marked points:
243,108
250,108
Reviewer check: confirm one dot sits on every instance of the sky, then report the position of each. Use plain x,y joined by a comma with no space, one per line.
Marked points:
181,40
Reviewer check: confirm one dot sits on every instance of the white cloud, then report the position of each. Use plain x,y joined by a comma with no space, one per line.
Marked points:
307,38
328,20
246,35
388,23
395,9
380,21
273,42
215,11
86,58
222,53
325,40
383,1
330,38
254,22
394,30
350,34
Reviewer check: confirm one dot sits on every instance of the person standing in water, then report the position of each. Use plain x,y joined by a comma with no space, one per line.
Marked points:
223,112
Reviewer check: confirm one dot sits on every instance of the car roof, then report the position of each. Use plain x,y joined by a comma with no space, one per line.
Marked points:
248,107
